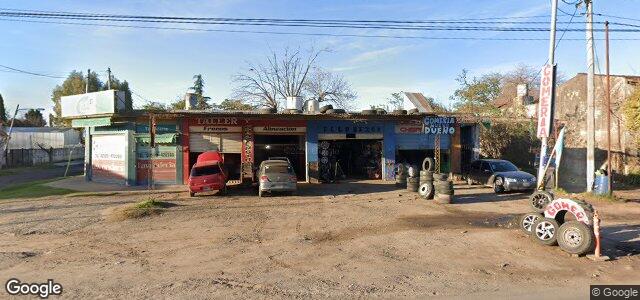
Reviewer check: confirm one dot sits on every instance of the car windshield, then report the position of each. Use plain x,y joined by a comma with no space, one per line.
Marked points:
278,168
503,166
206,170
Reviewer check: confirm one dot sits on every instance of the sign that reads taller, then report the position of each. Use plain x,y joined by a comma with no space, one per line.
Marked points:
545,104
104,102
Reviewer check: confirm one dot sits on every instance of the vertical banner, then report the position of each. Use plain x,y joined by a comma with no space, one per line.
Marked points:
545,104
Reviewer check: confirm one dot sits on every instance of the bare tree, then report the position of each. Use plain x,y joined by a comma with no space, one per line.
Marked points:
283,75
325,86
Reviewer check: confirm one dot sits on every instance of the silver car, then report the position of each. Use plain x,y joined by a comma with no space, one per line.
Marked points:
276,176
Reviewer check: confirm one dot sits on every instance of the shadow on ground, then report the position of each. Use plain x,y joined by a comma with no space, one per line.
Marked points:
621,240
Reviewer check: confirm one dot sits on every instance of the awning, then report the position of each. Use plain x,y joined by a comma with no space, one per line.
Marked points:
163,138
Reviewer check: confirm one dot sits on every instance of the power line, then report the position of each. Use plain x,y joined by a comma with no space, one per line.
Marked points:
16,70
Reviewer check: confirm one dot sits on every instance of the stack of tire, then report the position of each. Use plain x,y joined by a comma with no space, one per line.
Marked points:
571,236
443,188
426,189
413,181
401,176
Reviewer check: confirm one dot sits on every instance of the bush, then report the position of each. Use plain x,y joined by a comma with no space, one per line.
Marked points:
511,141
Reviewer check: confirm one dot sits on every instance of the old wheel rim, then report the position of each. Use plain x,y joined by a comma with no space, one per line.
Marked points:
545,231
527,222
572,237
539,201
498,181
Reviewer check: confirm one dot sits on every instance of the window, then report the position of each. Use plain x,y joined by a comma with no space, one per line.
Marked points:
503,166
207,170
278,168
485,166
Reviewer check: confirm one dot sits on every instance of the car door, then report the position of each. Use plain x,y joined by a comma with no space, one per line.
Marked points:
485,173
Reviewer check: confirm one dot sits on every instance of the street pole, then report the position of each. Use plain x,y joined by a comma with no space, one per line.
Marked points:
591,99
606,37
109,78
15,113
86,88
552,48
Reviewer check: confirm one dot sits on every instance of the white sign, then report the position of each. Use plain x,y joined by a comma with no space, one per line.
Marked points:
439,125
214,128
279,129
104,102
545,106
108,157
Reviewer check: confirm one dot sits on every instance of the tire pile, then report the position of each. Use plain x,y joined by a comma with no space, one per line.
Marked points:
426,188
401,176
572,236
444,188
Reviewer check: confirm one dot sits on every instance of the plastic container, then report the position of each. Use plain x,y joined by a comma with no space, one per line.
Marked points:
601,185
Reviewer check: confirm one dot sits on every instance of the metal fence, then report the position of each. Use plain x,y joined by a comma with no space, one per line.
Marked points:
32,157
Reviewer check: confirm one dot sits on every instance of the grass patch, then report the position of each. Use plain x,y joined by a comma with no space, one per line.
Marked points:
146,208
14,171
33,189
589,197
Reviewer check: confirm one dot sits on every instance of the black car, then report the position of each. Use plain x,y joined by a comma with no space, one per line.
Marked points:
500,174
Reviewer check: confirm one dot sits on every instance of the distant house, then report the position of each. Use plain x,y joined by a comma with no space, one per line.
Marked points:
571,111
523,102
416,100
37,145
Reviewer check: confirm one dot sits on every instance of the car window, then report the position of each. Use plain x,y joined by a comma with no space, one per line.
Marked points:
278,168
485,166
475,165
503,166
206,170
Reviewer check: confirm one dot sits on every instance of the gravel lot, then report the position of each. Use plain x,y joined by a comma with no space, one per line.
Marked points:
353,240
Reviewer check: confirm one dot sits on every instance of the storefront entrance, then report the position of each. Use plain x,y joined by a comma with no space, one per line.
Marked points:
350,159
289,146
215,134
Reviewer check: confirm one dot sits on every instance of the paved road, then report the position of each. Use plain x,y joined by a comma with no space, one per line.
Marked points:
31,174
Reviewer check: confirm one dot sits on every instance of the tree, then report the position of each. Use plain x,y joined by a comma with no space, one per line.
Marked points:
395,101
198,90
230,104
75,84
3,111
33,118
283,75
631,111
476,95
325,86
154,106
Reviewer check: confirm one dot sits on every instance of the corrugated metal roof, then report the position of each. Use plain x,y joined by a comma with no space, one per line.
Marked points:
420,102
41,129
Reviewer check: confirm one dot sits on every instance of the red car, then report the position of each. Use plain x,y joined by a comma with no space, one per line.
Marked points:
208,174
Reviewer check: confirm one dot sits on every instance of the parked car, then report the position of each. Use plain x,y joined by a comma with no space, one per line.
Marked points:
208,174
500,174
276,176
280,158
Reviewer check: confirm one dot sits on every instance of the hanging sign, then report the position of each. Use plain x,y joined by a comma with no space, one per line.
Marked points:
216,129
545,104
439,125
279,129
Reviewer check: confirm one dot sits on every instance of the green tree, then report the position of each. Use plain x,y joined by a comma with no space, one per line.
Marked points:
198,89
395,101
154,106
122,86
3,111
230,104
34,118
476,95
631,111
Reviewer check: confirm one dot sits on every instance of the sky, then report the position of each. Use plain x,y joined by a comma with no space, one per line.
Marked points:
160,64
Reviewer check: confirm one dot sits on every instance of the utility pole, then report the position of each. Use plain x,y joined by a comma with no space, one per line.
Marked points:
86,88
606,37
591,99
109,78
552,48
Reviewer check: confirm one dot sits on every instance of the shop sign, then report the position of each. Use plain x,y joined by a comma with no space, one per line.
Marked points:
163,169
545,105
217,121
567,205
439,125
352,129
408,128
108,154
160,128
215,129
104,102
92,122
279,129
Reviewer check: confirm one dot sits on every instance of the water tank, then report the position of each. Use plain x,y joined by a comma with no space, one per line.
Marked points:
294,103
190,101
312,106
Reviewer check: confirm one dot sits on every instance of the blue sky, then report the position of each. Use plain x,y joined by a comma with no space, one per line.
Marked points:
159,64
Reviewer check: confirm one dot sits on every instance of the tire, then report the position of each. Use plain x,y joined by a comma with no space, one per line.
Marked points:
576,238
440,176
443,199
292,111
381,111
413,111
545,231
526,221
498,185
267,111
325,108
260,194
369,112
426,190
399,112
335,111
469,181
223,191
428,164
192,194
539,200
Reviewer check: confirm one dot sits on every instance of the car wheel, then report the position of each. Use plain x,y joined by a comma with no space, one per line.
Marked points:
545,231
539,200
527,220
498,185
223,191
576,238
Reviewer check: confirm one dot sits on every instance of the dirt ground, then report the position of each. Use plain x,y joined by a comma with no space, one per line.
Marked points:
361,239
